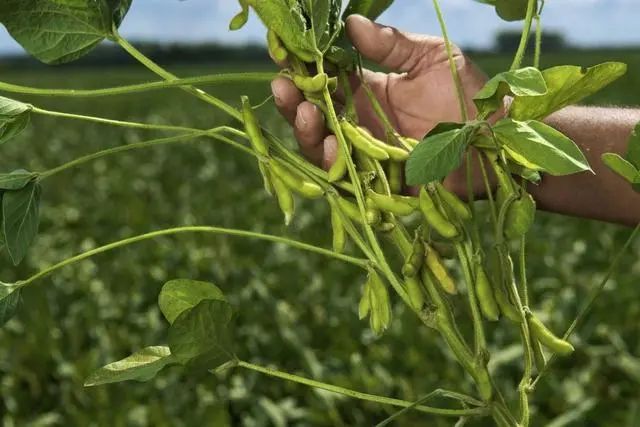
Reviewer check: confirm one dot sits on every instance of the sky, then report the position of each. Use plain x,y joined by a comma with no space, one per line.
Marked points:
583,22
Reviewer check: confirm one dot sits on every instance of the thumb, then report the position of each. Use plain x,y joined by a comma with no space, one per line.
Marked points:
387,46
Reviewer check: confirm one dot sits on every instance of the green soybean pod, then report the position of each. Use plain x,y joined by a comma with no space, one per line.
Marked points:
486,298
520,216
395,177
364,307
338,170
276,49
296,181
372,213
332,84
241,18
506,307
337,227
547,338
413,263
439,271
414,290
380,315
362,143
313,84
434,218
411,142
397,205
395,153
460,208
350,209
252,127
285,199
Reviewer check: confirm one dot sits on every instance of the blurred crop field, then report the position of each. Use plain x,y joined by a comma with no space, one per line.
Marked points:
295,311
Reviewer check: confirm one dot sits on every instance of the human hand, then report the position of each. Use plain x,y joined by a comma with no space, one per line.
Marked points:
416,95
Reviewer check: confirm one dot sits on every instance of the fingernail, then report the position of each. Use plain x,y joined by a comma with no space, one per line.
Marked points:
301,119
276,92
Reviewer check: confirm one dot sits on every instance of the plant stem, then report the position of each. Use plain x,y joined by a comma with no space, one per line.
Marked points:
358,395
524,39
452,63
196,229
141,87
592,298
213,133
135,125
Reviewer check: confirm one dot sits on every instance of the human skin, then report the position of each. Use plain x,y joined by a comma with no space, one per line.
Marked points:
418,92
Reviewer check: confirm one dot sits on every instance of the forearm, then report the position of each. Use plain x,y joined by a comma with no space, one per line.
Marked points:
603,195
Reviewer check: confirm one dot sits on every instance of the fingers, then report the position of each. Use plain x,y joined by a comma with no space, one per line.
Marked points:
287,98
310,131
330,151
387,46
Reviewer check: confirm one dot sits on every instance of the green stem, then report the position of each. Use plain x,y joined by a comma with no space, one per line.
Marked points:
524,39
476,316
361,396
135,125
195,229
141,87
452,63
213,133
592,298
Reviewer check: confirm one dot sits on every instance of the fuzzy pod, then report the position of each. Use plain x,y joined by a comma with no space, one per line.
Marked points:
277,51
338,229
266,178
285,198
547,338
414,262
350,209
395,177
485,295
439,271
296,181
434,217
460,208
397,205
313,84
395,153
520,216
362,143
252,127
415,291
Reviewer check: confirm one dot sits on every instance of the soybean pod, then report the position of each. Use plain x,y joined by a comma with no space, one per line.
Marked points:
547,338
413,263
395,177
439,271
520,216
397,205
415,291
395,153
484,292
538,353
362,143
460,208
434,217
285,198
276,49
252,127
313,84
266,178
350,209
338,229
339,168
296,181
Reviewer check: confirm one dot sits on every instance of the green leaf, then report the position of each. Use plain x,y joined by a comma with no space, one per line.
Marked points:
523,82
620,166
9,301
372,9
142,365
633,147
16,180
58,31
566,85
14,118
511,10
182,294
437,155
200,336
20,219
539,147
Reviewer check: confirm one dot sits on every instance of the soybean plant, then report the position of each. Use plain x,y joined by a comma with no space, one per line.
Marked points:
365,190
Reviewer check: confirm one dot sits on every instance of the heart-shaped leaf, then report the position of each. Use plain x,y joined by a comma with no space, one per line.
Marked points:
58,31
523,82
9,301
566,85
182,294
620,166
200,336
539,147
142,365
14,118
438,155
20,219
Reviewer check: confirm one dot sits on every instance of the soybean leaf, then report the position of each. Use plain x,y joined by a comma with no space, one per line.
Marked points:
633,148
142,365
182,294
620,166
438,155
16,180
566,85
14,118
58,31
523,82
20,219
200,336
511,10
372,9
9,301
287,20
539,147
